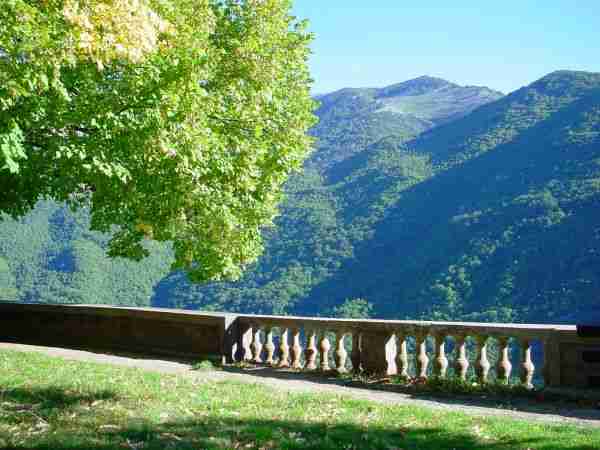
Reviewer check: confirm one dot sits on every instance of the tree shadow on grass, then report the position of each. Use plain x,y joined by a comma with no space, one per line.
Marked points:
47,398
232,433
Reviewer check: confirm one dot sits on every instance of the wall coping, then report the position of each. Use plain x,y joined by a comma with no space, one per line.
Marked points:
367,324
120,311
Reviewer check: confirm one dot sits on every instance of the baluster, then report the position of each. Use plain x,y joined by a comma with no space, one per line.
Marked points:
284,349
462,362
269,346
482,365
247,336
256,345
422,358
527,367
390,351
402,355
296,349
324,346
340,352
504,366
311,350
441,361
355,355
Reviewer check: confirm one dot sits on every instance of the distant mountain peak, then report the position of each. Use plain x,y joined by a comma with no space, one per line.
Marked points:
416,86
353,118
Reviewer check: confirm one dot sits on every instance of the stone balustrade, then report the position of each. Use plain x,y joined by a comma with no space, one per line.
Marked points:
552,355
412,349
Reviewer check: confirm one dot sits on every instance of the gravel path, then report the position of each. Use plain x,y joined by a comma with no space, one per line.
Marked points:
297,382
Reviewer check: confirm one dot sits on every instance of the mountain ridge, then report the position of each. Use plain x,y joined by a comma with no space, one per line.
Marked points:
409,84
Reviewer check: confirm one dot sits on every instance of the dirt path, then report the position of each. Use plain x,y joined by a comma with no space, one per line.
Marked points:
298,382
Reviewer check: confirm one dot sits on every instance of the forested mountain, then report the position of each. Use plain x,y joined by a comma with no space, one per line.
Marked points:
425,198
507,225
51,256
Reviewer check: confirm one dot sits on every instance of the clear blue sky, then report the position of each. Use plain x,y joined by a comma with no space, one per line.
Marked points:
503,44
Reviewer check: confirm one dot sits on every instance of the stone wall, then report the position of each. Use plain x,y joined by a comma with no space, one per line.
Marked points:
150,331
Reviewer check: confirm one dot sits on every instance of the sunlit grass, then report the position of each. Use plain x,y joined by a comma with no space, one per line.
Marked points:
51,403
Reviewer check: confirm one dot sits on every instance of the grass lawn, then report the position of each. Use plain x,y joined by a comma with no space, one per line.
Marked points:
52,403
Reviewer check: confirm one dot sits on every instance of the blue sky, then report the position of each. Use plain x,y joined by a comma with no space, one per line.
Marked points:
502,44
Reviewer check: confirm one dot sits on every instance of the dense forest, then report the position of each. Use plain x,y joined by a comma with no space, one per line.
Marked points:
421,200
51,256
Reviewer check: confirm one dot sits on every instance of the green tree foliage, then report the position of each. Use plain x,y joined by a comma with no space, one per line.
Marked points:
174,120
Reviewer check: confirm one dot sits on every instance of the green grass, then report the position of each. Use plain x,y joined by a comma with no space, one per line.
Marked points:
51,403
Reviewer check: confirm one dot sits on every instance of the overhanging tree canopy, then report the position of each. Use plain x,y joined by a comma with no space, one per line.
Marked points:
177,120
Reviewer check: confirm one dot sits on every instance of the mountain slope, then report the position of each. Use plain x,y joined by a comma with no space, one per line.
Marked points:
505,229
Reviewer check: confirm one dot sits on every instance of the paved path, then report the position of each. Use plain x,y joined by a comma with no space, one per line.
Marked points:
297,382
